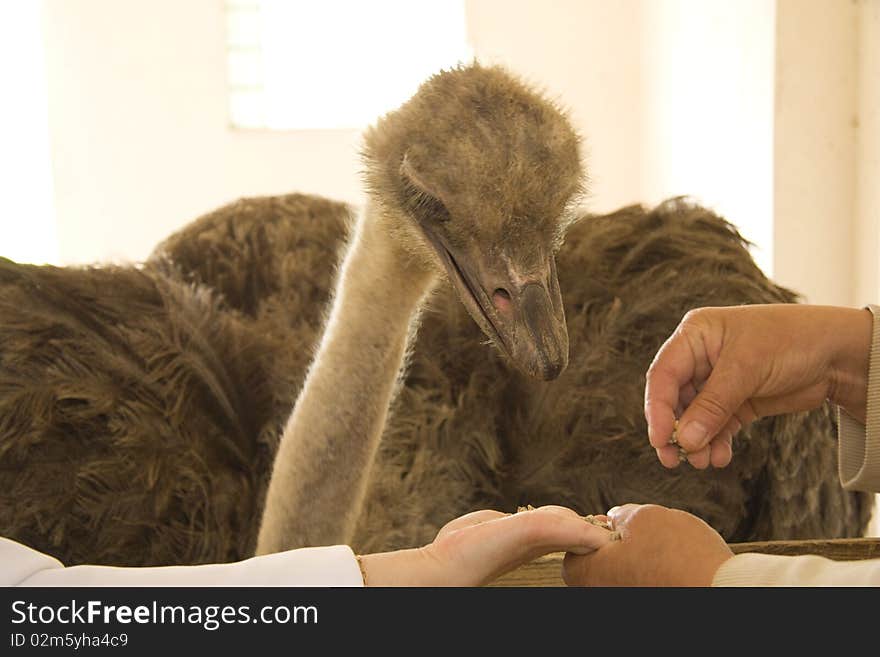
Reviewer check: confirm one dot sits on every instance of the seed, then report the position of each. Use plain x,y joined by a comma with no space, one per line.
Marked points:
674,439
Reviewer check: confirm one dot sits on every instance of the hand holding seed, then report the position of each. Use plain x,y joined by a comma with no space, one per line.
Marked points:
480,546
724,368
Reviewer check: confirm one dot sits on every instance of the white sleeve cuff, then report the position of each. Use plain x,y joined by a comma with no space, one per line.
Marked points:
320,566
859,444
752,569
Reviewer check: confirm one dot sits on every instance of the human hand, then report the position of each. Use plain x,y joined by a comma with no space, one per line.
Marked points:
726,367
479,547
657,547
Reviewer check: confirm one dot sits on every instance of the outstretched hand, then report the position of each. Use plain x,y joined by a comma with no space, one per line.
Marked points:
726,367
477,548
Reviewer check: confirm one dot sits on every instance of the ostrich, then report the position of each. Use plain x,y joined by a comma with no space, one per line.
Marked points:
142,408
460,195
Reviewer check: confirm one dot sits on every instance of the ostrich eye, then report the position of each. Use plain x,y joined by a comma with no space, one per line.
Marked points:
423,206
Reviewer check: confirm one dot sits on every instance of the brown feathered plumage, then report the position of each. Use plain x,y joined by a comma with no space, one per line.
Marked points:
139,409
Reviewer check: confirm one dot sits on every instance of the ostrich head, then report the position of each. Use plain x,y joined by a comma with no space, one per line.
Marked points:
477,175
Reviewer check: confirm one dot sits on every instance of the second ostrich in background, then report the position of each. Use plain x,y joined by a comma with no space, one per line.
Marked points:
141,409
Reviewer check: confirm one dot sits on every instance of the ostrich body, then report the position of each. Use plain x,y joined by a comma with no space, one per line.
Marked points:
141,410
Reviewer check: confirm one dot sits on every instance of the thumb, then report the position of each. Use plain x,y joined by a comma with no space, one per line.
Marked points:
724,392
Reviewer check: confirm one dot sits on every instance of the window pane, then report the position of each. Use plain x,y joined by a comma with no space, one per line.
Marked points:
338,63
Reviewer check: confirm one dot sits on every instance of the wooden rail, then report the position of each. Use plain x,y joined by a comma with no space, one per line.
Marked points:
547,571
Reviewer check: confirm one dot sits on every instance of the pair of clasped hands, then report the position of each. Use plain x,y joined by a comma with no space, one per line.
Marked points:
721,369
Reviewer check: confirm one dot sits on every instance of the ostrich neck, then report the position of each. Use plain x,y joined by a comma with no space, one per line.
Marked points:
327,450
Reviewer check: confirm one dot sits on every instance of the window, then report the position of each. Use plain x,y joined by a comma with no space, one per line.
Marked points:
335,63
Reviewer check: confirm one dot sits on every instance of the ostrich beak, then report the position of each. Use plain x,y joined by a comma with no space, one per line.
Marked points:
521,314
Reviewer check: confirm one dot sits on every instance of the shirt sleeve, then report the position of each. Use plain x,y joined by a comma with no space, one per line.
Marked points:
751,569
859,444
319,566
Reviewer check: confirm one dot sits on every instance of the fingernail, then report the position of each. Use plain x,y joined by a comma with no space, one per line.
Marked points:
612,510
693,435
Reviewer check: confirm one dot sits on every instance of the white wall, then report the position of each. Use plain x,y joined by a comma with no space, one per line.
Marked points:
867,229
139,128
815,145
707,110
27,217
